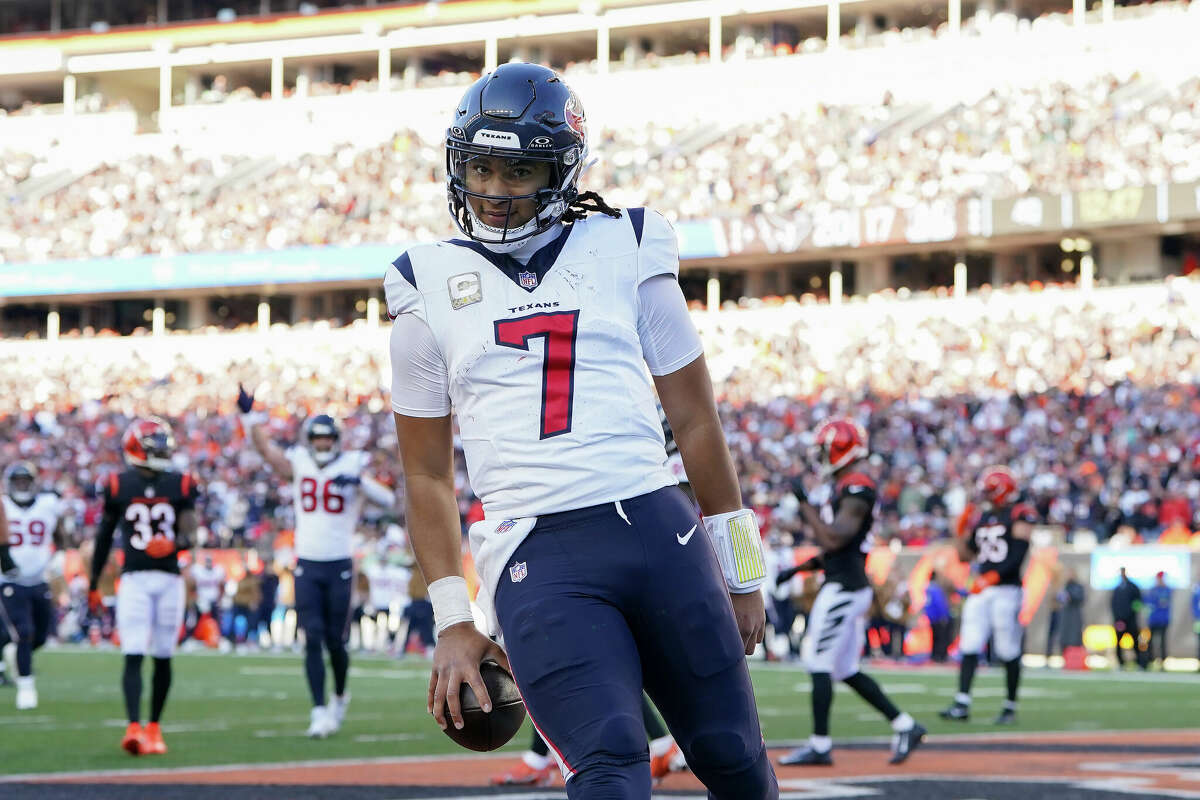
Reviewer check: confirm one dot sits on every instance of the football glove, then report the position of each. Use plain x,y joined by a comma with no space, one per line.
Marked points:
989,578
245,400
95,601
160,547
7,564
797,486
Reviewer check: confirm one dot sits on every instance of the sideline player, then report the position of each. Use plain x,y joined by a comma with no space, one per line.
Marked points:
327,501
538,328
154,508
833,641
997,544
35,525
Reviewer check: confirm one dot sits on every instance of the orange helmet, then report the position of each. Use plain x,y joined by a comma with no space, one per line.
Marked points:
998,485
148,442
838,442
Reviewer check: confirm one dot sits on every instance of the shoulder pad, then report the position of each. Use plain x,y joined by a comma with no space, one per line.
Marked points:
658,246
856,483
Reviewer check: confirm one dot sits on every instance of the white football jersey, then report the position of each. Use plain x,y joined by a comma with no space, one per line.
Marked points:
546,376
326,513
208,584
31,536
388,582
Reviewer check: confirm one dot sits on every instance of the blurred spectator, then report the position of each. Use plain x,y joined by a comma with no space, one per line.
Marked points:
1158,600
1196,617
1126,600
1071,630
937,611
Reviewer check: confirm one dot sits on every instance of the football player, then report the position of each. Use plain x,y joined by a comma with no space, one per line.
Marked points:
537,328
329,488
996,543
35,525
154,508
833,642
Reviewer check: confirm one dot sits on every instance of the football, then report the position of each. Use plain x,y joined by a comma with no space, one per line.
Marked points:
488,731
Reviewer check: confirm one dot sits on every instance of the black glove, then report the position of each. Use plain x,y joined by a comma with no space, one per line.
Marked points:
245,401
346,480
797,485
7,565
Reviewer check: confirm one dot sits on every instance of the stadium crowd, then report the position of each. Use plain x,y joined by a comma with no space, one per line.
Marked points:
1055,137
1095,406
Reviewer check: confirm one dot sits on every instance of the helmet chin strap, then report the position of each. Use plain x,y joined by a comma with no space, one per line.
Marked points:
501,248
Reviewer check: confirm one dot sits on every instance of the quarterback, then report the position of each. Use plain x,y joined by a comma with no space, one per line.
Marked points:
537,330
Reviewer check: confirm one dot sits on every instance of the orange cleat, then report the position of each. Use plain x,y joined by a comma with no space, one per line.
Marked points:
134,741
153,741
524,775
668,762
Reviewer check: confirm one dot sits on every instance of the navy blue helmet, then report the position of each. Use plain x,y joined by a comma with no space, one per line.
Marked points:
322,425
520,112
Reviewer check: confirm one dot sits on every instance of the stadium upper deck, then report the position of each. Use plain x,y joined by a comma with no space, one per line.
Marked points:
305,84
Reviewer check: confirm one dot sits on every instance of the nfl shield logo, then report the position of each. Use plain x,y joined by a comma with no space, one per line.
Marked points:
506,526
528,280
518,572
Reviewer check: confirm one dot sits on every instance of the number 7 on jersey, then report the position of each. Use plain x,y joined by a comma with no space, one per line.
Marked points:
558,328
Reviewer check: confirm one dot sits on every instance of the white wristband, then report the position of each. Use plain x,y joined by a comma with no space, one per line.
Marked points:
738,544
451,604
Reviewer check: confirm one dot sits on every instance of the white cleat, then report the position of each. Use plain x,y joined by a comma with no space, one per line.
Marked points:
26,694
338,710
321,723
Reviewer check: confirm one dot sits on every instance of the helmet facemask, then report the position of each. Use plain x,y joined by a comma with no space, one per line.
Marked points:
322,427
20,484
550,202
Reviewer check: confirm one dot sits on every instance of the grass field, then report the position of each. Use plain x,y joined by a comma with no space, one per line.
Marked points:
227,709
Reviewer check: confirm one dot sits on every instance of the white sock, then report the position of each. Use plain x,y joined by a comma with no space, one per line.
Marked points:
661,746
822,744
903,723
24,681
1010,705
534,761
962,699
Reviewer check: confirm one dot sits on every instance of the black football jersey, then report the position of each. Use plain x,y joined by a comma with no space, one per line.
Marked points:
993,541
146,506
848,564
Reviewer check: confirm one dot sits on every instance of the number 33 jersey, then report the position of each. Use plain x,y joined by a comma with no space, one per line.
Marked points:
147,506
542,362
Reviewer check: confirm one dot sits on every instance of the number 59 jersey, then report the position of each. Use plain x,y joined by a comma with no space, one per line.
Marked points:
542,362
147,506
31,536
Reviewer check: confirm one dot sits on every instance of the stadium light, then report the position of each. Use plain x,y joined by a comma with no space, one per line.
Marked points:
1067,245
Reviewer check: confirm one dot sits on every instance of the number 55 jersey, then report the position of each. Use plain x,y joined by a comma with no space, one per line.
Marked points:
148,505
544,362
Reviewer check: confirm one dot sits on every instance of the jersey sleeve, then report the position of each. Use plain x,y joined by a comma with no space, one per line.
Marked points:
1024,512
668,337
400,288
420,378
187,491
658,247
858,486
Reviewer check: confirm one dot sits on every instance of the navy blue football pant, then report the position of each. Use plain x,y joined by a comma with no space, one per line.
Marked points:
614,598
323,591
28,612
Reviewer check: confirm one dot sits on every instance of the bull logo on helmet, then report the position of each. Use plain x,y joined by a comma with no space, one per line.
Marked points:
573,113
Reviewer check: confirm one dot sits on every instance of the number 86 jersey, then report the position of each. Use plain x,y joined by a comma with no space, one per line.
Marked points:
148,505
541,361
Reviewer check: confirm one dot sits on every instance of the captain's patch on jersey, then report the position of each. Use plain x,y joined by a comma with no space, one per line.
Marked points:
464,289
